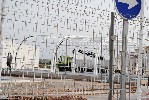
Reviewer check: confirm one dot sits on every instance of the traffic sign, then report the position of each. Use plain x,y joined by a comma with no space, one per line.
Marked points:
128,9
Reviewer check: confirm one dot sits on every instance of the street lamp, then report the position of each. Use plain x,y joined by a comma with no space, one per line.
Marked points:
139,91
2,14
53,64
19,48
22,43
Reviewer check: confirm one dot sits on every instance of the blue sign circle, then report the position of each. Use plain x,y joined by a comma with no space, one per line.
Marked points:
128,9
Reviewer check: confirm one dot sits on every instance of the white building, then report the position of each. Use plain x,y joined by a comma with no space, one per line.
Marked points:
27,56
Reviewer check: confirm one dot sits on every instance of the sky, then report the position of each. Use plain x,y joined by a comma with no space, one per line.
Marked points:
59,18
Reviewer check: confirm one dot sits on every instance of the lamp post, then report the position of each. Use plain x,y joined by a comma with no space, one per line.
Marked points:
2,14
140,53
21,45
19,48
53,64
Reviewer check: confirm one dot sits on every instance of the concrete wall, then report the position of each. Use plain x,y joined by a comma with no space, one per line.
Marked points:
26,58
91,63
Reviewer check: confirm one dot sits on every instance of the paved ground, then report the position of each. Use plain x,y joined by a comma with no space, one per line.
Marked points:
89,95
63,76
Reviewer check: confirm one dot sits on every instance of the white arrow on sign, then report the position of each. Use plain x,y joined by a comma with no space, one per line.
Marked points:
131,3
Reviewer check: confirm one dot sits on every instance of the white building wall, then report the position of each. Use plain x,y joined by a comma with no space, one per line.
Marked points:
26,57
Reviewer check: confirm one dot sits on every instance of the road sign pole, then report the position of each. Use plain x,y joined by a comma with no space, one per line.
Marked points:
123,60
129,12
111,43
138,92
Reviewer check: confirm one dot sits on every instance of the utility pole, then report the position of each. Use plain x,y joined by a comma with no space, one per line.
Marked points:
111,45
2,14
123,60
84,59
74,61
66,59
96,62
138,92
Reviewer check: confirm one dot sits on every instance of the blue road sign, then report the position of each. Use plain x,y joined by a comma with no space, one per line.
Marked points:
128,9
